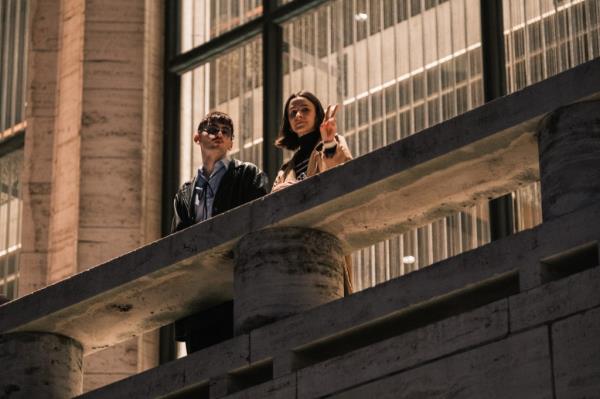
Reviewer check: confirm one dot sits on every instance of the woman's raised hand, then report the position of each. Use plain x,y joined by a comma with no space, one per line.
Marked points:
329,126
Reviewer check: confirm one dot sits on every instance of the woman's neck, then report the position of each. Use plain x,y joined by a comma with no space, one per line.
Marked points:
309,141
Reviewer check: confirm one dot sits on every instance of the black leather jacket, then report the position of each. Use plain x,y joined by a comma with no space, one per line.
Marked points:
242,182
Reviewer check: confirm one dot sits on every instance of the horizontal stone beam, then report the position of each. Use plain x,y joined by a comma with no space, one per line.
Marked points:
472,285
480,154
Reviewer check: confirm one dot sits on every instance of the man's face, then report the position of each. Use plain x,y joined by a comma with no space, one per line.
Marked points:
216,138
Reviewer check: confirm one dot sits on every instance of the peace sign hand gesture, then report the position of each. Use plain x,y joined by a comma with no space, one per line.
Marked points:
329,126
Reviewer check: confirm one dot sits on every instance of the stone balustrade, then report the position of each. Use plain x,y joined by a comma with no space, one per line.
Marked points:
481,154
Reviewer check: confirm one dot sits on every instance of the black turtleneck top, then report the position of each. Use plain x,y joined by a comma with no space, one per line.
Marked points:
308,142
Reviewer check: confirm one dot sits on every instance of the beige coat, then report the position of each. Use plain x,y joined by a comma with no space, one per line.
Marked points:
318,163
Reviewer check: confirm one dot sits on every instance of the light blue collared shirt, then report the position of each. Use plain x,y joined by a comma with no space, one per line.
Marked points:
206,189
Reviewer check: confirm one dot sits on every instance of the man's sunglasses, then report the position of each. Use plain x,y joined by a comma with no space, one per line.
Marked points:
214,130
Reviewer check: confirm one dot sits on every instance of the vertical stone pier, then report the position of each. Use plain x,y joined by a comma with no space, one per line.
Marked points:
283,271
569,147
40,365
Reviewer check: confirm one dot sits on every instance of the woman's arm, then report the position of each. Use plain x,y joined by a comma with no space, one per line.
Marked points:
322,158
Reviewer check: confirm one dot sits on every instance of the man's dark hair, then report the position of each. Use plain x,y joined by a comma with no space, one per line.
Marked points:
288,139
214,117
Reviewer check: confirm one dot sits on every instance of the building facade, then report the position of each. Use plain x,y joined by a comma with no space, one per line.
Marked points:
96,131
397,67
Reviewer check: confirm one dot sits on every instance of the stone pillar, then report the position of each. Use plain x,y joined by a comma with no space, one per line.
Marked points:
43,49
40,365
283,271
93,149
569,147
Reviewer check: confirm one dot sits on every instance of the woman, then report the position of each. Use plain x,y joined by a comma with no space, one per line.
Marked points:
312,133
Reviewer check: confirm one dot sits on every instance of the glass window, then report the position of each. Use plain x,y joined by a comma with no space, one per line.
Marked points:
10,222
397,67
546,37
230,83
203,20
13,53
543,38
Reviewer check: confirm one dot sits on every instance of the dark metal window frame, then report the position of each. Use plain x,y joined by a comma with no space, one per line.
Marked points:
502,221
269,26
14,142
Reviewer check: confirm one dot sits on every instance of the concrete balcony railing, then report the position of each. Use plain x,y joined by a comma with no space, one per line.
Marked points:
481,154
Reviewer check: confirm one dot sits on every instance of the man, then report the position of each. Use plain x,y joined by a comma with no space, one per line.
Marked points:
220,184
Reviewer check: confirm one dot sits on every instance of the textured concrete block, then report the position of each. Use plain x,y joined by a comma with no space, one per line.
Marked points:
118,207
114,73
218,387
182,374
44,30
112,114
104,243
36,201
42,84
405,351
38,151
180,264
555,300
38,365
32,271
284,363
93,380
281,388
551,238
119,359
131,12
569,157
392,297
284,271
517,367
576,348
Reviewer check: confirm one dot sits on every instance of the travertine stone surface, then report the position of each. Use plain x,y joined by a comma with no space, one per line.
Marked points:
280,388
38,365
185,373
576,348
187,263
405,351
37,168
557,299
517,367
283,271
569,148
93,147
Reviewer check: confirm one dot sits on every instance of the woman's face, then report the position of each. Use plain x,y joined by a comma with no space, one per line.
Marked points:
301,114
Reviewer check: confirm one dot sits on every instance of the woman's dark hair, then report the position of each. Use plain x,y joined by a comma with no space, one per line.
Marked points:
288,139
214,117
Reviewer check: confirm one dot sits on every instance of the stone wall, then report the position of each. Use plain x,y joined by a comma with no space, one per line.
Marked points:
93,148
519,317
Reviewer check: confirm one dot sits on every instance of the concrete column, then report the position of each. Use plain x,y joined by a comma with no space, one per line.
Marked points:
283,271
43,49
569,147
40,365
93,149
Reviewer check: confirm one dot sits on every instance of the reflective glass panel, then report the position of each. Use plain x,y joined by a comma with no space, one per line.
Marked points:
397,67
10,222
543,38
203,20
13,55
231,83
